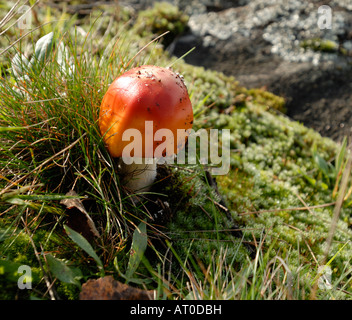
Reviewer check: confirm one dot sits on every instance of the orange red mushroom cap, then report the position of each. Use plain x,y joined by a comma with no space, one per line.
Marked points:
142,94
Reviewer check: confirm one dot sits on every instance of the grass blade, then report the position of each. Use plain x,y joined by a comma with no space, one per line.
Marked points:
139,244
62,271
84,245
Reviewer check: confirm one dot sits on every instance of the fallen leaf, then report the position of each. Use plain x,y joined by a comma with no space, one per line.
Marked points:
77,217
107,288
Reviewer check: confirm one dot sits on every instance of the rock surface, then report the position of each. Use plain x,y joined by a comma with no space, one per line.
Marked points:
288,46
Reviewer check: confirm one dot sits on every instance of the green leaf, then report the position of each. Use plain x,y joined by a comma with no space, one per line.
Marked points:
322,164
63,272
63,60
83,244
62,55
19,65
16,201
129,279
139,244
42,49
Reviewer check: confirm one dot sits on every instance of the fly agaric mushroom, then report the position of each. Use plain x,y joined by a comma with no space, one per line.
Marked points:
145,99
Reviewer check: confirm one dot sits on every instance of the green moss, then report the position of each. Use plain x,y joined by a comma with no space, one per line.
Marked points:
211,88
67,291
268,99
198,225
274,155
161,18
17,250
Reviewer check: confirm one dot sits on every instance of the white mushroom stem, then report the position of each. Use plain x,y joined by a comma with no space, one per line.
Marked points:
139,176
